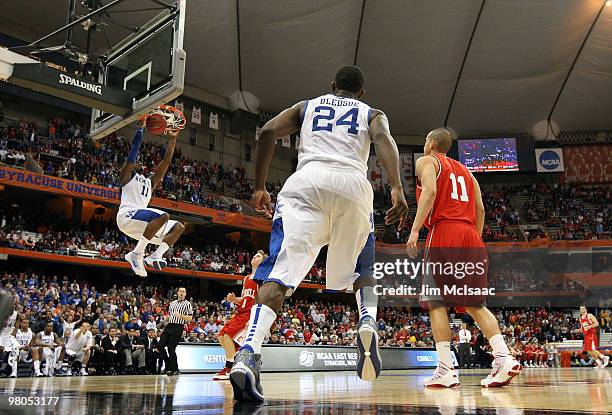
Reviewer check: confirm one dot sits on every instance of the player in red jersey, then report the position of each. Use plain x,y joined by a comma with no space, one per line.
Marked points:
450,205
588,324
233,333
517,350
539,355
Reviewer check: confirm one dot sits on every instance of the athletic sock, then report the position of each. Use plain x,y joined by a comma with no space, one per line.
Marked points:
229,363
37,366
141,245
161,250
500,349
367,302
445,358
14,366
262,318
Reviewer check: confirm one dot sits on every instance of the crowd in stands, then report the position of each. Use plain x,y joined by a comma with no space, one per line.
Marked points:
572,212
563,211
501,217
135,312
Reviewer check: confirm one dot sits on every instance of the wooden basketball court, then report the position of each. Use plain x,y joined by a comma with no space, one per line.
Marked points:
395,392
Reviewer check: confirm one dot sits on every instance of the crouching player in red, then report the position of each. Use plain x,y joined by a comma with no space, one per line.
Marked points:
232,335
530,350
535,355
517,351
450,204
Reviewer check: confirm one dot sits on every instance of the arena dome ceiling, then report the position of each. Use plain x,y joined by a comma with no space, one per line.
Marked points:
479,67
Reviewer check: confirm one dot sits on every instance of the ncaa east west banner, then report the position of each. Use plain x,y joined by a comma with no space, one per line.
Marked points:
549,160
209,358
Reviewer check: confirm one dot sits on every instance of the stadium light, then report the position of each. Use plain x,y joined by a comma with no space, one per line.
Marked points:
609,3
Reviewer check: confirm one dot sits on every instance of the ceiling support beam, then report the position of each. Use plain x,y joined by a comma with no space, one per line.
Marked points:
359,32
465,56
571,69
71,24
238,41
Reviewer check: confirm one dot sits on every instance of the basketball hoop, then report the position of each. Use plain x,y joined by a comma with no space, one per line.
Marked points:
175,120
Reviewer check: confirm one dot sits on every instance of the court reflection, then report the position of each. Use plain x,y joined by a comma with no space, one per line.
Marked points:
571,391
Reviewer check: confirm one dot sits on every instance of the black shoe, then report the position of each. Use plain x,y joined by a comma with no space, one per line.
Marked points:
244,377
369,363
6,307
173,373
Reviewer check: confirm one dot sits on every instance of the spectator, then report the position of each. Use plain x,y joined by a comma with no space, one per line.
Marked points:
111,345
211,327
153,358
133,349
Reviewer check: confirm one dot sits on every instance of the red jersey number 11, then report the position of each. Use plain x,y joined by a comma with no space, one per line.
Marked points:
461,180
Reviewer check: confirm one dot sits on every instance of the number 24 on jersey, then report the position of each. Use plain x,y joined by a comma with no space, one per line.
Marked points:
325,116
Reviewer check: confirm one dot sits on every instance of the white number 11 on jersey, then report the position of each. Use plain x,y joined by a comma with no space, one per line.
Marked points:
461,180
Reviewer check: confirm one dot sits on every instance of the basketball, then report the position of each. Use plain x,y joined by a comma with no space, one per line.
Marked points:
156,124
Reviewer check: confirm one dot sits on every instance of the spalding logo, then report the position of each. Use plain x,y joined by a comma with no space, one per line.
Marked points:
549,160
306,358
68,80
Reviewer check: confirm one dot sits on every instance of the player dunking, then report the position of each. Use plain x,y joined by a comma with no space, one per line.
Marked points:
450,205
327,201
588,324
135,218
233,334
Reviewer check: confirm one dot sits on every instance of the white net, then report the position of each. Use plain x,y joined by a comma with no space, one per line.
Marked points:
175,120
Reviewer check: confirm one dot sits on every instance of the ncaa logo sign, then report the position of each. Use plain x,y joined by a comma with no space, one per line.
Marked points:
307,358
550,160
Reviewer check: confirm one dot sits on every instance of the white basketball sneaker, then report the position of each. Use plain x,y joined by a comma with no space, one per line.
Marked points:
156,262
504,370
137,263
369,363
606,361
442,378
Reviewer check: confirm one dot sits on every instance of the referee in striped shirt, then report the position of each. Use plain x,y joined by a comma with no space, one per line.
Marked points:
180,314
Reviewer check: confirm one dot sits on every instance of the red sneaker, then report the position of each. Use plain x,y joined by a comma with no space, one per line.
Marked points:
222,375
